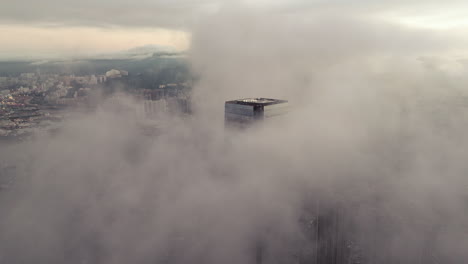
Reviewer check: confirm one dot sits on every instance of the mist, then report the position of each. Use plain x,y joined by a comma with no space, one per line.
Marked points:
377,124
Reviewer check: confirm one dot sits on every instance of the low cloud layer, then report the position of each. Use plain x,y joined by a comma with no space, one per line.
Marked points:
376,124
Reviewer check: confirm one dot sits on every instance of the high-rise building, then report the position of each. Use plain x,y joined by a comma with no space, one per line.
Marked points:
243,112
325,225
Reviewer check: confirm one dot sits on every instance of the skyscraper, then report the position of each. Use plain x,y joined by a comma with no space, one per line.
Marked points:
324,222
244,112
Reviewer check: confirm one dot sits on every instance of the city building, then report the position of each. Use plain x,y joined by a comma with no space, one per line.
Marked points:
324,222
152,108
243,112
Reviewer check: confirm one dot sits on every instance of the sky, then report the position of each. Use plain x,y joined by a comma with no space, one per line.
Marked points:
51,28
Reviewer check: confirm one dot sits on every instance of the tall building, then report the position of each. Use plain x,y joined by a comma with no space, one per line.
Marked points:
324,222
243,112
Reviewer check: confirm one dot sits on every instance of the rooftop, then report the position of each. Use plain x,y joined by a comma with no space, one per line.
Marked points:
257,101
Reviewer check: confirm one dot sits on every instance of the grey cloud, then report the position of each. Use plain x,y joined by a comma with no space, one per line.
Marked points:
171,14
280,52
183,14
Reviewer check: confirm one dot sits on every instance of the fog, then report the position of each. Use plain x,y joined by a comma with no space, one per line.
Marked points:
377,124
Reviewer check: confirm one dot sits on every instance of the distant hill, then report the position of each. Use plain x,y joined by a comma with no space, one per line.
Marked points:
143,52
134,61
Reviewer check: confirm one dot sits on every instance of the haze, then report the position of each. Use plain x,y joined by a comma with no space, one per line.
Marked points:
378,121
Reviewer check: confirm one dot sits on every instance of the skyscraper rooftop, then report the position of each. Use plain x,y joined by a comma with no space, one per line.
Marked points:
249,110
257,101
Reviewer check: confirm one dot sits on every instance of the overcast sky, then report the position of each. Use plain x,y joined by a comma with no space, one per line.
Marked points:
70,28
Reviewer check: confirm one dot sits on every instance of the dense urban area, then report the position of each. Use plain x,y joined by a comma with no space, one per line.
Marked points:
34,100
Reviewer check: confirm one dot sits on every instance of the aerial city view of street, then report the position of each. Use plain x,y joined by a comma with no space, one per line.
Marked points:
231,132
